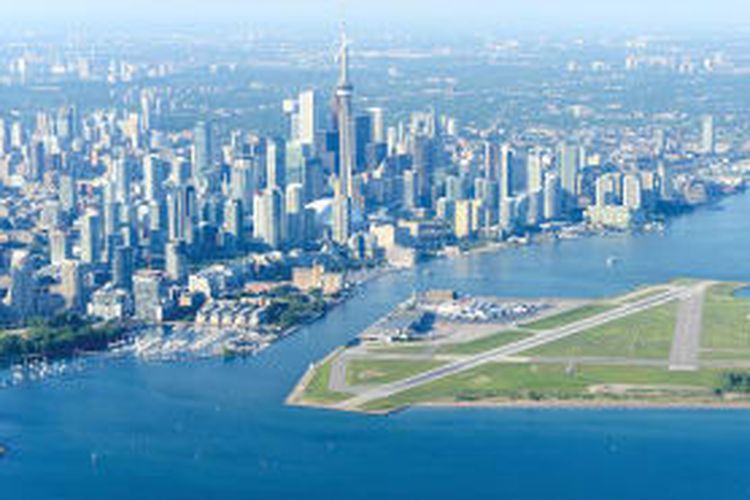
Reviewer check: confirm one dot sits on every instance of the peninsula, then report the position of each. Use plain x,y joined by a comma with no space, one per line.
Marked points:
683,343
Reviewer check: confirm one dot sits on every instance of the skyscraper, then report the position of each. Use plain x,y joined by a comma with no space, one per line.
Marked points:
71,284
707,135
308,121
507,214
175,261
535,207
551,197
21,297
36,161
122,175
175,223
67,193
632,196
153,178
506,172
4,137
233,223
146,110
295,213
296,158
123,267
423,159
202,149
344,183
568,166
59,246
275,164
242,183
378,125
343,101
363,138
462,223
411,193
182,214
534,181
268,216
91,237
491,160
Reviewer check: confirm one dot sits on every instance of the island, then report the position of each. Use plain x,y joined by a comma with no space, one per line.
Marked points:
685,343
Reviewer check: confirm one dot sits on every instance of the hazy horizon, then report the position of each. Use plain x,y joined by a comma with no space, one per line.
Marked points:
532,16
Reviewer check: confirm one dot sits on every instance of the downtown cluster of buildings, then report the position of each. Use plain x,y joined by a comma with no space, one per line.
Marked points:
109,215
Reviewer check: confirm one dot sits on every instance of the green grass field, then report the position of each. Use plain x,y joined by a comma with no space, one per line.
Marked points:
726,324
550,382
384,371
317,390
485,343
647,334
568,317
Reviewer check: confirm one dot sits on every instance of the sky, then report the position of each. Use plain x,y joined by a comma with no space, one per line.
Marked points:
436,15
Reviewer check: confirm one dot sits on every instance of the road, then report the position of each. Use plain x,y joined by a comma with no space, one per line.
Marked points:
687,333
470,362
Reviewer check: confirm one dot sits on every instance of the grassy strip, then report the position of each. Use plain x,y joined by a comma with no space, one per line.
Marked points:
485,343
568,317
384,371
526,382
647,334
726,323
318,391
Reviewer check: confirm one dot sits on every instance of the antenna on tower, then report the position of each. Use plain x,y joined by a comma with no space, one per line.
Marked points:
342,55
342,10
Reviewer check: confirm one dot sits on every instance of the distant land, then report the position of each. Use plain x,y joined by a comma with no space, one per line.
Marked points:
685,343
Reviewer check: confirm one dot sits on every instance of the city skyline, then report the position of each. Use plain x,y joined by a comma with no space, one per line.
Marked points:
135,198
254,250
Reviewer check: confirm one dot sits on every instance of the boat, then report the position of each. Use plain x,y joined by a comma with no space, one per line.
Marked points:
612,261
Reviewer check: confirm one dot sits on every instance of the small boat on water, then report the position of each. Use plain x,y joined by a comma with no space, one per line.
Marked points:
612,261
3,451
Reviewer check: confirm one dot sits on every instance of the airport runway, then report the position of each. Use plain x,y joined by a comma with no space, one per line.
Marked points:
470,362
687,332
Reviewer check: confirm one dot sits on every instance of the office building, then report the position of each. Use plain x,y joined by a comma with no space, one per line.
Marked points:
707,135
268,217
91,238
632,196
71,285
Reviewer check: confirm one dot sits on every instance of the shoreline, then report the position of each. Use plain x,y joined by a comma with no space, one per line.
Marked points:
581,404
550,405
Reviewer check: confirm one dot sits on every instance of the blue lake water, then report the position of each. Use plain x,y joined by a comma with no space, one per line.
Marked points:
214,429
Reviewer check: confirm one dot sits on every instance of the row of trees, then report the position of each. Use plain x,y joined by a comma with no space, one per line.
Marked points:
289,307
58,337
735,382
